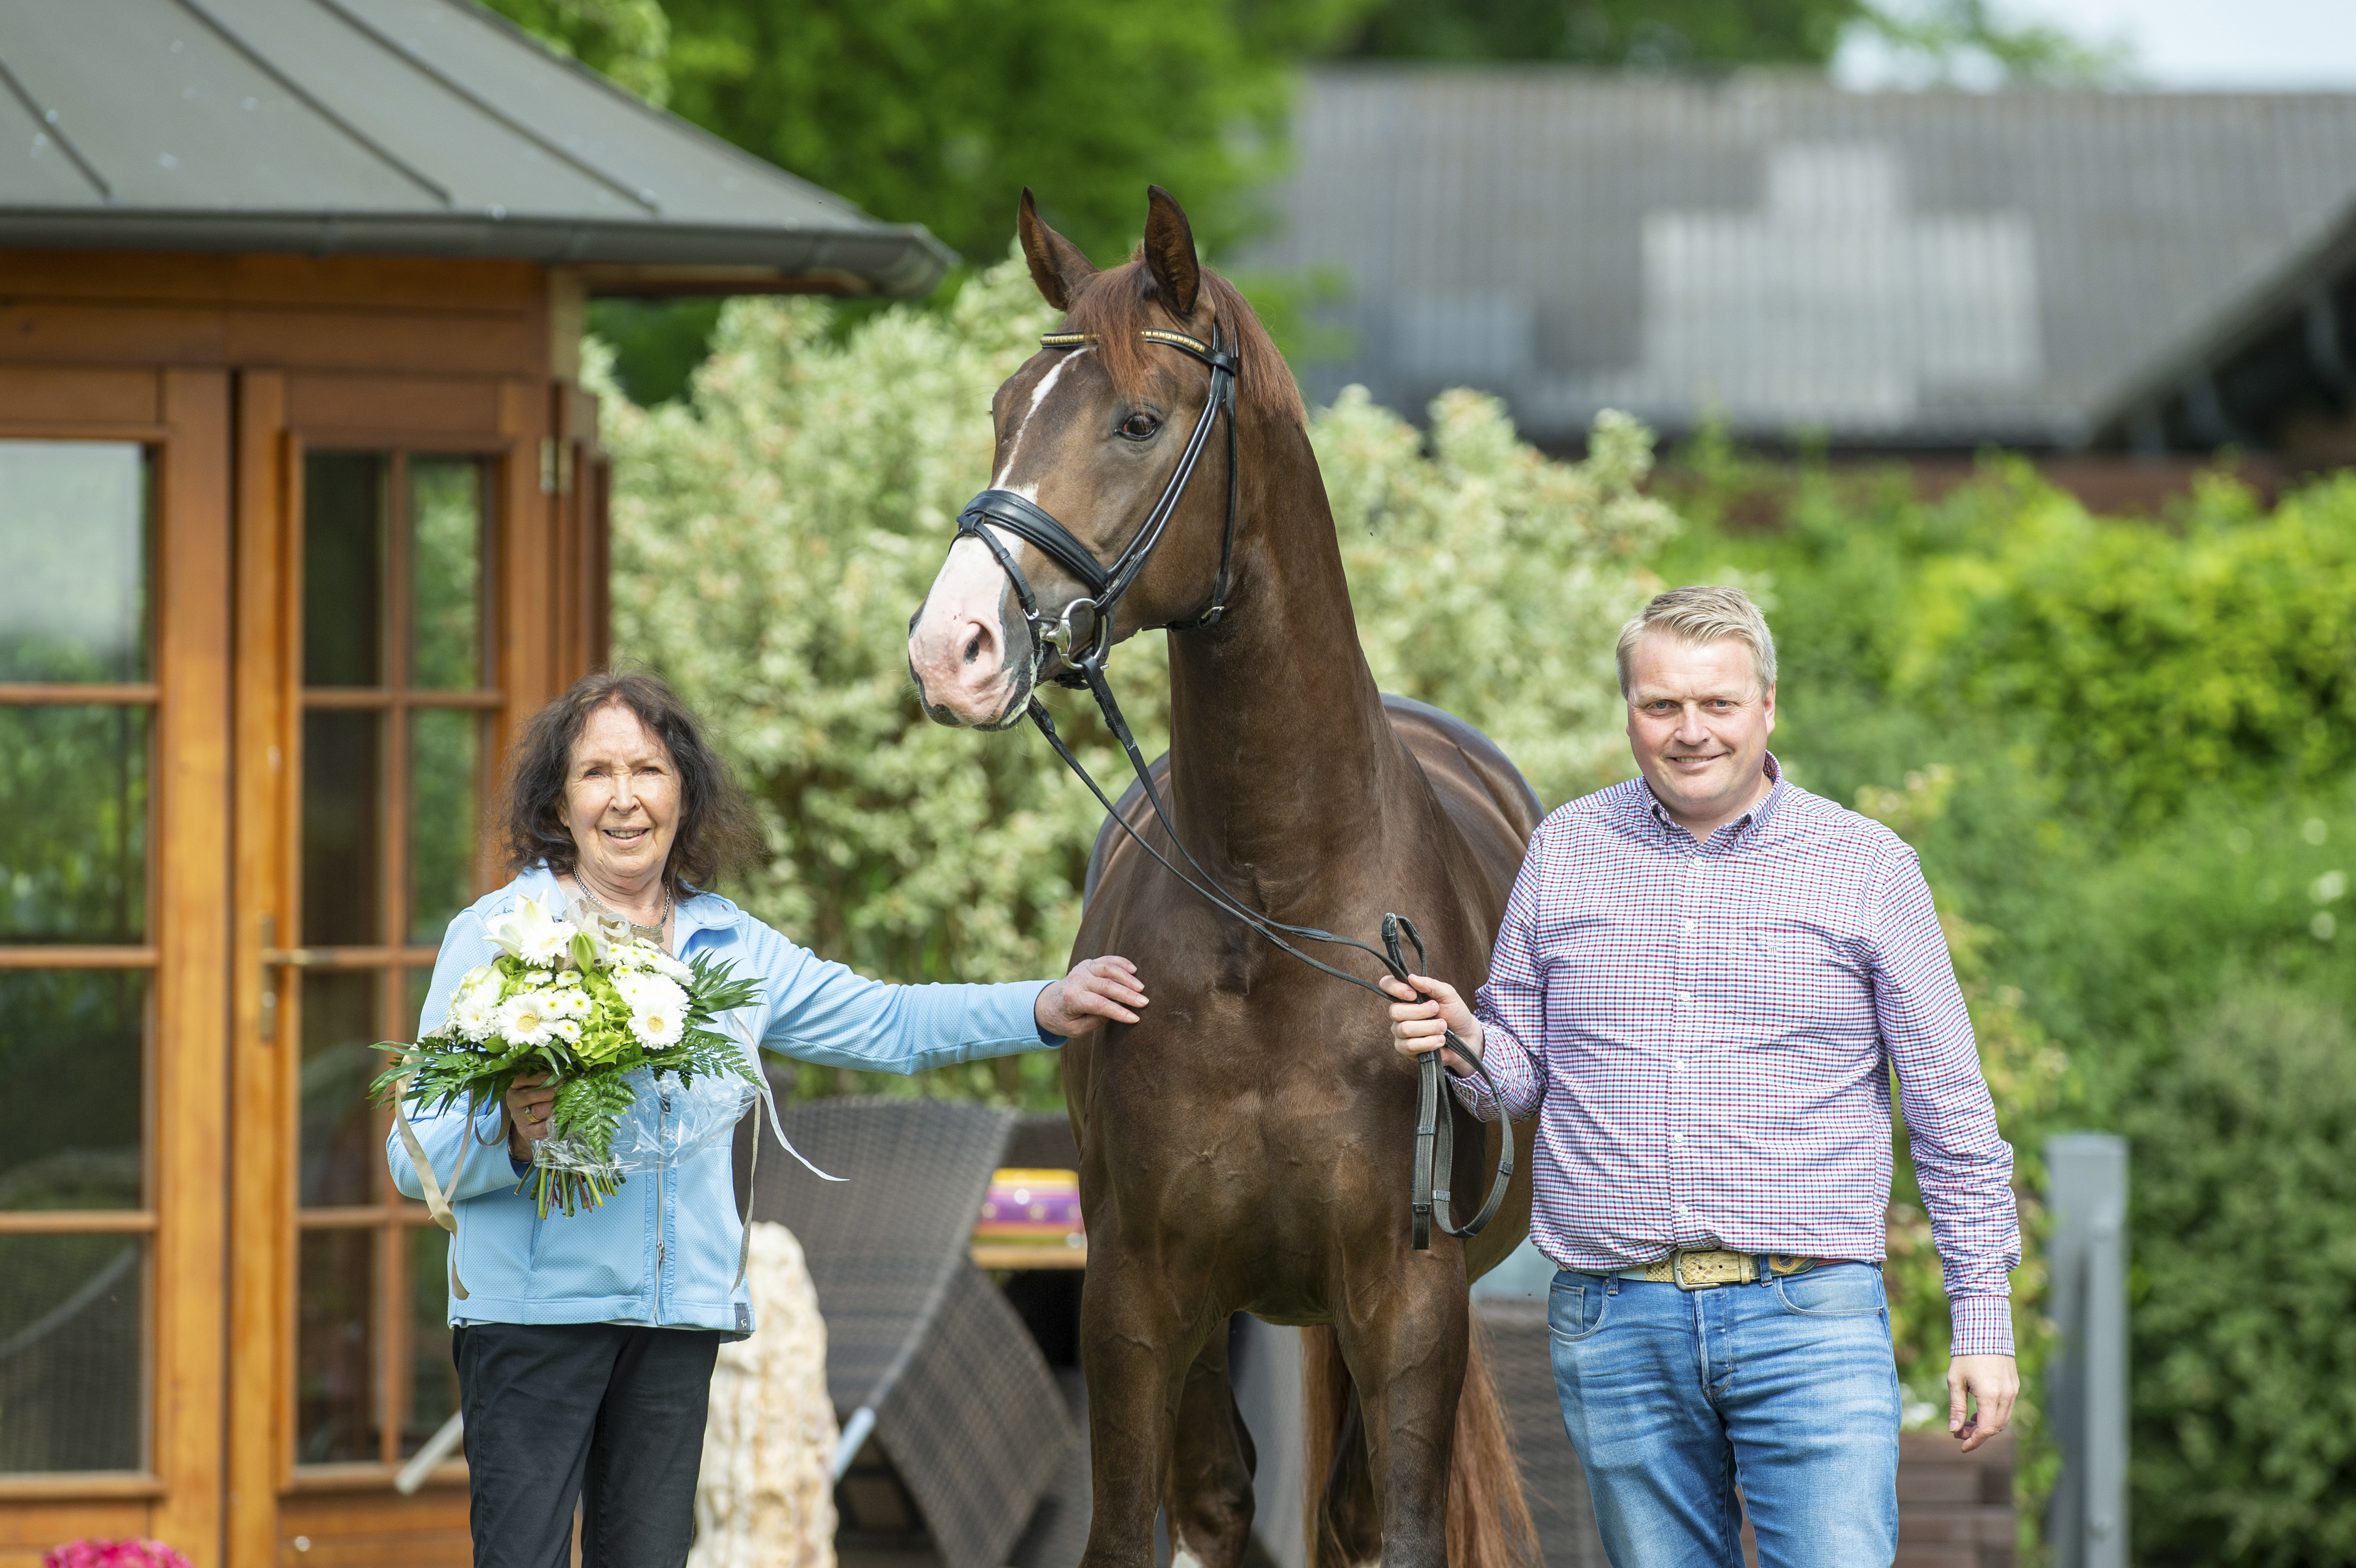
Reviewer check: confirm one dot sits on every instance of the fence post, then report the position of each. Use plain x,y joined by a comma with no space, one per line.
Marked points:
2086,1392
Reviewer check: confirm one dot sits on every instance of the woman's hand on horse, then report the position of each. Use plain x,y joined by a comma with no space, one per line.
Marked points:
1420,1024
529,1102
1096,990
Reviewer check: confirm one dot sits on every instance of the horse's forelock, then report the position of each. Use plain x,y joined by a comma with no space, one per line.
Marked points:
1120,302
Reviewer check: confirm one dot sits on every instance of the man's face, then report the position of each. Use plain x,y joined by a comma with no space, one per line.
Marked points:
1698,724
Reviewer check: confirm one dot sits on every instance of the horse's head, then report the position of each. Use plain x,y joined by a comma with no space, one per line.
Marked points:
1089,506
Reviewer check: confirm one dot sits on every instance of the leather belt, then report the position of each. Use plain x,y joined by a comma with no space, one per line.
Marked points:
1706,1270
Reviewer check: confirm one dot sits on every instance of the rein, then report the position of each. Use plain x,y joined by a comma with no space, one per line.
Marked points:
1084,652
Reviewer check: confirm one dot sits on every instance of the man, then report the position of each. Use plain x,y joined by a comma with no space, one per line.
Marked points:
1704,980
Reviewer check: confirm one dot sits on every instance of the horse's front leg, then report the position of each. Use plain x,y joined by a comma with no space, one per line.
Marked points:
1406,1350
1135,1351
1209,1499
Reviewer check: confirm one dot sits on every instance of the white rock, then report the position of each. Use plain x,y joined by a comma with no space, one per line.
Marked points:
765,1498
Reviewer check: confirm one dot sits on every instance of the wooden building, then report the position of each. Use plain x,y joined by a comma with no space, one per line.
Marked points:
301,513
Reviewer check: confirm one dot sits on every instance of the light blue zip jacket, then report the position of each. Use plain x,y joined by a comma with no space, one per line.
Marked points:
663,1251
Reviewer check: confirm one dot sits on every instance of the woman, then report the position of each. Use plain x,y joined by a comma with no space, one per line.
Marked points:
586,1342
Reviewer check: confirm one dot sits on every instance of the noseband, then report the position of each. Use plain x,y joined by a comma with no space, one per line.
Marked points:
1083,648
1076,638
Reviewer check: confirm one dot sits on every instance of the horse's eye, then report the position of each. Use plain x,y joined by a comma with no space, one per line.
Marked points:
1138,427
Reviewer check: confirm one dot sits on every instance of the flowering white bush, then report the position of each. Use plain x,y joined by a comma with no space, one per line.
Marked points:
774,534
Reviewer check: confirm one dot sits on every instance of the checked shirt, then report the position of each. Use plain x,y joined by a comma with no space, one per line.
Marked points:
1706,1033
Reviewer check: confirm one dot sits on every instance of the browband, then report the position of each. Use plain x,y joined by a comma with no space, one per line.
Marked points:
1179,340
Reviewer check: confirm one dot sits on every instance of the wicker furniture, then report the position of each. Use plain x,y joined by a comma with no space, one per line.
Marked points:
967,1425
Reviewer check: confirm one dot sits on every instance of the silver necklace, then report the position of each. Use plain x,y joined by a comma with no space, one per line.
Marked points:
653,933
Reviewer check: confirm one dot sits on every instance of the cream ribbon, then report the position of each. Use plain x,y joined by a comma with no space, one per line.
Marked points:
776,1125
437,1204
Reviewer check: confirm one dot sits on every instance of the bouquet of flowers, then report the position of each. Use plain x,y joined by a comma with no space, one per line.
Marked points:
607,1014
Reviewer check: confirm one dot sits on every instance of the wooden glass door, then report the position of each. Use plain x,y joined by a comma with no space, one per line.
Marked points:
395,691
401,589
114,869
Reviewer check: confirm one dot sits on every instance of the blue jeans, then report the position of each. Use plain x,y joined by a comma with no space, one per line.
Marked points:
1786,1387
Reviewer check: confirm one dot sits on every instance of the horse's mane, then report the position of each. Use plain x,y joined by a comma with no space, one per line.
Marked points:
1119,302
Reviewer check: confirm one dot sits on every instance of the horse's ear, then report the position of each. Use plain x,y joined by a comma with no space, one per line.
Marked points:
1170,251
1056,264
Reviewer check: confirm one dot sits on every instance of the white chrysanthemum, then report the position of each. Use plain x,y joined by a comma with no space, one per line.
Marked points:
669,968
566,1029
571,1004
656,1025
526,1018
474,1012
640,989
526,932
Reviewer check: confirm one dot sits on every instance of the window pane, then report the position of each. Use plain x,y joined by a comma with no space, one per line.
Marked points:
341,1153
73,560
73,837
445,571
432,1379
442,751
71,1360
335,1356
343,568
69,1118
341,905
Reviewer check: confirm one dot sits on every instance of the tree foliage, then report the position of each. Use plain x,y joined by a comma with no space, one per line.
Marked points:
773,534
1654,34
940,112
626,40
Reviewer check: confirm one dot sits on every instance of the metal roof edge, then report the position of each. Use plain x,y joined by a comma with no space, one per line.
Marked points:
895,260
2227,331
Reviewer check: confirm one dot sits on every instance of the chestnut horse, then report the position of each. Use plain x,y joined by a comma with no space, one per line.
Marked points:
1246,1147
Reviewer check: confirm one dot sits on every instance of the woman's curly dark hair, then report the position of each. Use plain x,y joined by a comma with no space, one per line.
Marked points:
716,833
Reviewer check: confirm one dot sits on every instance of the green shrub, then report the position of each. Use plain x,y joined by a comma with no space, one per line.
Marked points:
2243,1208
2143,665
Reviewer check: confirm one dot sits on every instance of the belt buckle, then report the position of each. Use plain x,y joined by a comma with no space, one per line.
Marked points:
1722,1267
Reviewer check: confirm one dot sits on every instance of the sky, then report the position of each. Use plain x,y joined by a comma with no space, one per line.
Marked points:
2241,45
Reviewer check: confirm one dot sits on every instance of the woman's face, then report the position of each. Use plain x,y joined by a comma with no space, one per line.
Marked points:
621,801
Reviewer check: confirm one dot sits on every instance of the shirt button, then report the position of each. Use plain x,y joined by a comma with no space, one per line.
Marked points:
1676,1137
1677,1065
1689,928
1684,996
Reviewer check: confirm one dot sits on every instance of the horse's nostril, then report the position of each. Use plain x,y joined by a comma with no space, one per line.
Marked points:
973,647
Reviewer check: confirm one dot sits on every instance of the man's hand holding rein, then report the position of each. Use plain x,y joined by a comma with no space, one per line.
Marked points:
1420,1024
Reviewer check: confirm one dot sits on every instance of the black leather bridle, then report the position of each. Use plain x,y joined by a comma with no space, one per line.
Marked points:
1084,650
1026,519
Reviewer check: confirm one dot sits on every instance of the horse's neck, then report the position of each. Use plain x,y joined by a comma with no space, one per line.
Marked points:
1280,754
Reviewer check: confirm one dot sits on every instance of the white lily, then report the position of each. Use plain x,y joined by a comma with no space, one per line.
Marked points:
528,932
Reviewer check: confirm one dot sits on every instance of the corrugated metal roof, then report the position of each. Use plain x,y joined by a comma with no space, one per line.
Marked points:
1920,268
400,127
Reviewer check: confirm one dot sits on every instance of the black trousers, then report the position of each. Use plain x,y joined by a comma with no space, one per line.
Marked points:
604,1412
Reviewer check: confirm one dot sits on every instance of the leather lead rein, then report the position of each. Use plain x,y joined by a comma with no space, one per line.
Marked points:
1430,1199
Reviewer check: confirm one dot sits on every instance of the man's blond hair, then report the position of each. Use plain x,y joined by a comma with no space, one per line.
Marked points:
1703,613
